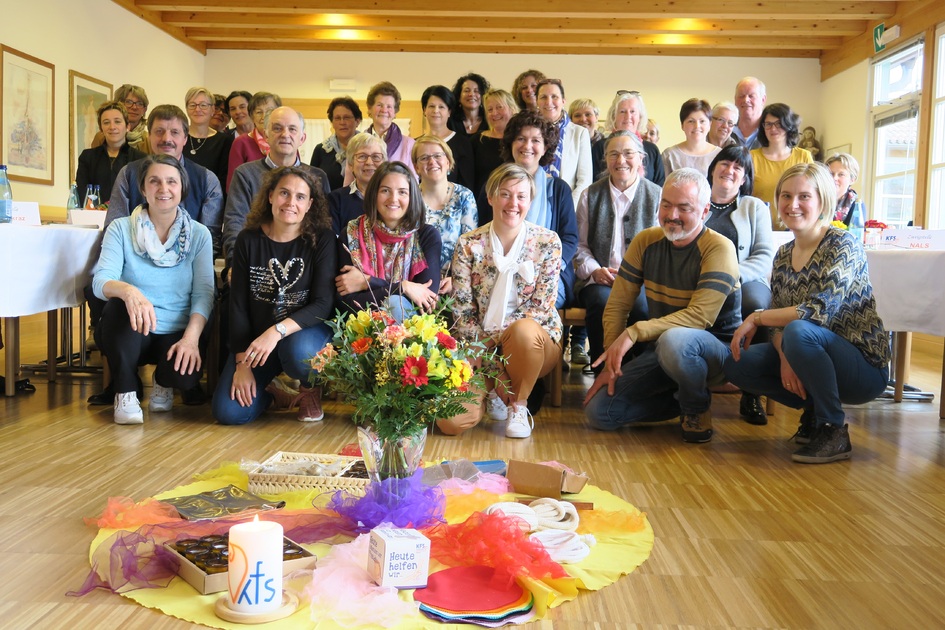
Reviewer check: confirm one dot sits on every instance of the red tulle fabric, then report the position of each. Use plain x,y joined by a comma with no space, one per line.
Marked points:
123,513
401,502
492,540
130,560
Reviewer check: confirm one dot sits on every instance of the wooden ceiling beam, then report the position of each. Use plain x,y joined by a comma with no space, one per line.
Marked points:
154,19
814,10
838,28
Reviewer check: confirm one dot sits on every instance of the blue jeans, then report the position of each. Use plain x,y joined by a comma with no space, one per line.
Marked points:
669,378
290,356
832,370
400,307
594,299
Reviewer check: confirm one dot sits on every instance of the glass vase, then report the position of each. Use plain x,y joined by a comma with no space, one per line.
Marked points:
398,458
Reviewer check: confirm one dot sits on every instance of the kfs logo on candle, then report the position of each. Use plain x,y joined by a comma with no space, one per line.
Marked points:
255,567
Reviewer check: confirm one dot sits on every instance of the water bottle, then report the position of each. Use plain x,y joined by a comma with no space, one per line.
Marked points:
98,196
6,196
857,221
90,200
73,202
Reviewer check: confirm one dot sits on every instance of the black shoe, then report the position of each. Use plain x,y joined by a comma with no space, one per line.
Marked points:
107,395
751,410
537,397
805,430
696,427
829,444
194,396
588,370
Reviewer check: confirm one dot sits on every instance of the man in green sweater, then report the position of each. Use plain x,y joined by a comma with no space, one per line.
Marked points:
662,367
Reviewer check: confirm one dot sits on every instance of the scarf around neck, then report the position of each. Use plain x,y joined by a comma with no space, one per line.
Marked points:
147,244
136,135
392,138
555,167
507,265
392,255
260,140
845,205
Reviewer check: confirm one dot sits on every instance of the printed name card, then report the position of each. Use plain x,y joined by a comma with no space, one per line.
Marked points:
26,213
913,239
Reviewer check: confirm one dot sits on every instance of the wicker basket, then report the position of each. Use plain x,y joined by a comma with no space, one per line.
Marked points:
276,483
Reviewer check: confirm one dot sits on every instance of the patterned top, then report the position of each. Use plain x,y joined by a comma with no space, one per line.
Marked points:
475,274
455,219
833,290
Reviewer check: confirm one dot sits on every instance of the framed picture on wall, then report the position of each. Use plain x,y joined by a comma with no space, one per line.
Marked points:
27,102
86,94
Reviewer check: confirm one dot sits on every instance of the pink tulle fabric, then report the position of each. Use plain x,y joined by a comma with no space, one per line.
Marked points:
486,482
123,512
130,560
492,540
342,590
401,502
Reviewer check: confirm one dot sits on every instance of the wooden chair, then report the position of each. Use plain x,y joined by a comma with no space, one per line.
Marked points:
569,317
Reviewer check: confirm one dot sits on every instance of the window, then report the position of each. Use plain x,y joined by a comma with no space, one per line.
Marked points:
936,216
897,87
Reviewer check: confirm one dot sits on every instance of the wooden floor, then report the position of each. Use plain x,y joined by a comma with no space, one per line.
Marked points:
744,537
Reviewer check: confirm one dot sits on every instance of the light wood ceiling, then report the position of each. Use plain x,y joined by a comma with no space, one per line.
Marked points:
755,28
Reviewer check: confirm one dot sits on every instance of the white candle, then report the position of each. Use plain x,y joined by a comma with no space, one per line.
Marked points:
255,567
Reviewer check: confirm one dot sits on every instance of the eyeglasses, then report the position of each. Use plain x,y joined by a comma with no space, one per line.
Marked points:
627,93
343,119
362,158
772,125
202,107
728,124
423,159
131,103
627,155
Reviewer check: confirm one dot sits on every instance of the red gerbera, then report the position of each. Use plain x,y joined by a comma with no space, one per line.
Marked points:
446,341
362,345
415,371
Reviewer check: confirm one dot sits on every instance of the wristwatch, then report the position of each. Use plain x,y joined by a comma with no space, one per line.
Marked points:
280,328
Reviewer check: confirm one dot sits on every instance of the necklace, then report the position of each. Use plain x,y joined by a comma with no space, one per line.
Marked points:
194,147
720,207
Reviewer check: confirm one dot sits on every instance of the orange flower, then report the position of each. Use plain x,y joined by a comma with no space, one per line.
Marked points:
362,345
415,371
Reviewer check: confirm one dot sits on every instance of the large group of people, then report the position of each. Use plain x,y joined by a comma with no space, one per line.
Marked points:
513,204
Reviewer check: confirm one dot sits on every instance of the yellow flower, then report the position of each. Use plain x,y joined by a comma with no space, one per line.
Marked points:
415,350
436,366
460,373
399,353
358,324
423,326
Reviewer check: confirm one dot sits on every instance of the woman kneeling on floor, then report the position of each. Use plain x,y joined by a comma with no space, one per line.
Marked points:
828,345
156,273
281,292
505,282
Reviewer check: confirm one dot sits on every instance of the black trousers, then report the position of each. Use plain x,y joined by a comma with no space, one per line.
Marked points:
126,349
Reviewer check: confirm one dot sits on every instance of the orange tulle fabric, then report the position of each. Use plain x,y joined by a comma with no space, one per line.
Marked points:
492,540
123,512
602,522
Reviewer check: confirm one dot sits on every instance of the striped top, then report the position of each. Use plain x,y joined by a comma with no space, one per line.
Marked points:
833,291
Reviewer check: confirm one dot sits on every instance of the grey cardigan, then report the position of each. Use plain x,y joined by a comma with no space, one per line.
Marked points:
755,250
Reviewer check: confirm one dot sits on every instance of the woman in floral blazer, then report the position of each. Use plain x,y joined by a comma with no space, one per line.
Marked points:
505,281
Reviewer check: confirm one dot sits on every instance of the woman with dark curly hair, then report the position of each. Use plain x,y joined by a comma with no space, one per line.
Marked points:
330,156
525,89
470,117
779,135
281,292
530,142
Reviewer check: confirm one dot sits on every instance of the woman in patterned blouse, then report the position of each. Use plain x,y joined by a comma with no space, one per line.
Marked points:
505,281
828,345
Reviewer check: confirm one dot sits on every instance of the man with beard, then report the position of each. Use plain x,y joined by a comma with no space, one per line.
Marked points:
662,367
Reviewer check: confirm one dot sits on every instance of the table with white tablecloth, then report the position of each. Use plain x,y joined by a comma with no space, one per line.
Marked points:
42,268
909,287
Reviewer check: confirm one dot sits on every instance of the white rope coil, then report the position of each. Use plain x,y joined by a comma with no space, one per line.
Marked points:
565,547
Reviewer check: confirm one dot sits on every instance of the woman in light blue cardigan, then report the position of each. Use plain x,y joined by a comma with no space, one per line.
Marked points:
746,221
156,273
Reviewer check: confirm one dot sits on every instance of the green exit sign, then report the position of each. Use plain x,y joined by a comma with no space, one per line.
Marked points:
878,31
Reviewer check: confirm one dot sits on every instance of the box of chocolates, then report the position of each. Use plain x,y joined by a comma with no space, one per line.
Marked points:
204,561
289,472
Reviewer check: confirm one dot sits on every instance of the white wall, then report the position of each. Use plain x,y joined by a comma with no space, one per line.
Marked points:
665,82
844,109
71,35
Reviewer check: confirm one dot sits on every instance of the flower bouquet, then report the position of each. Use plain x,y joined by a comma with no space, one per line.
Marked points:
400,378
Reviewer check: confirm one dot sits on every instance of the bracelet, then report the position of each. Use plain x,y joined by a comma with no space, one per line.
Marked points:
758,317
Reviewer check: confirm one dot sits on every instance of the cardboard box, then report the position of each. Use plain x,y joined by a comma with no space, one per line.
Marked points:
207,583
541,480
399,558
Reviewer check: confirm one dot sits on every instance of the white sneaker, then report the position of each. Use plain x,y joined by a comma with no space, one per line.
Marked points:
496,409
162,398
520,422
128,409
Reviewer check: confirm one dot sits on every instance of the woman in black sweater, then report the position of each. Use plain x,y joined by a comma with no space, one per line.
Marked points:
100,165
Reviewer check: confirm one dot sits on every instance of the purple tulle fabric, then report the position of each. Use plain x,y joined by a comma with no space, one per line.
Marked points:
401,502
131,560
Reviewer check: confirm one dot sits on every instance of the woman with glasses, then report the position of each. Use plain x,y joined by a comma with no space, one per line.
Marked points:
438,106
470,117
487,145
388,256
779,135
205,146
253,145
450,207
331,155
220,121
628,113
364,154
723,120
135,101
695,151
